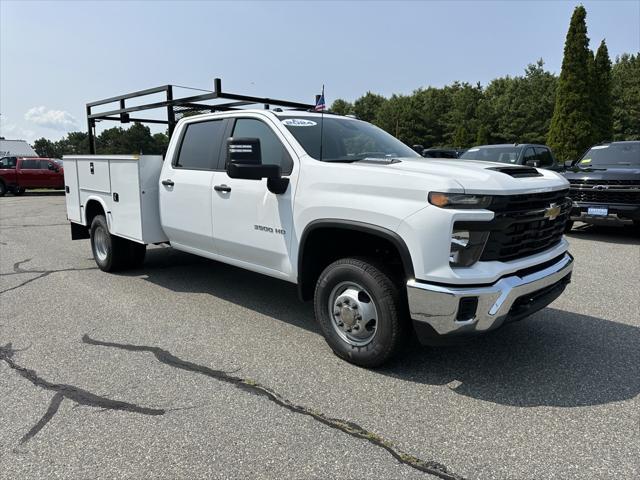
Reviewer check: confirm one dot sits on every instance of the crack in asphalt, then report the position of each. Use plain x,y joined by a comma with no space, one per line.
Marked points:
251,386
17,269
70,392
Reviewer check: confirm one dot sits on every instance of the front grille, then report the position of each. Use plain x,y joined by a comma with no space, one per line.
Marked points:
604,182
605,191
520,227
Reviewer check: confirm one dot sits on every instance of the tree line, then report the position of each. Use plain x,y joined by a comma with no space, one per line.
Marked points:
592,100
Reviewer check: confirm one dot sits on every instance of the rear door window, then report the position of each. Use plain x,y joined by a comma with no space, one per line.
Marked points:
201,144
30,164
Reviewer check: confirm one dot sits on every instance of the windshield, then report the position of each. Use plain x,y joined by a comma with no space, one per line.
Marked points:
345,140
613,154
492,154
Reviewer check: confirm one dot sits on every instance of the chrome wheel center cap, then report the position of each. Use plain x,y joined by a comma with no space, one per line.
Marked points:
348,316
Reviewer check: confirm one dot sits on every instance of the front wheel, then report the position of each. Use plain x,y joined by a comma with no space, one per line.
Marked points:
3,189
360,310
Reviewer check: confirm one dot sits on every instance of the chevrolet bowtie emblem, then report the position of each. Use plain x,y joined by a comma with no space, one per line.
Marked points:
552,212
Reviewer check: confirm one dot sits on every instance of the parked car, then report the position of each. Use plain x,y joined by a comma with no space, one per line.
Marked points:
439,153
19,173
529,154
605,185
367,229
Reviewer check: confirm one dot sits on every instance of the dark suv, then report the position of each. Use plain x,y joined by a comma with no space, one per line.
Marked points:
605,184
514,154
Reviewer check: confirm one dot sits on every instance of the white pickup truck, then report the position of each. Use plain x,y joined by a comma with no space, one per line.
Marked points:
385,242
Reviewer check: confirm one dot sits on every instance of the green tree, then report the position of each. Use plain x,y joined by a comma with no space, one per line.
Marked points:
460,137
76,143
366,107
341,107
519,109
47,148
482,138
461,121
625,92
395,116
603,108
571,130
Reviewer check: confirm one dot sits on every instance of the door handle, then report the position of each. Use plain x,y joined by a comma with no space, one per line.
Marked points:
222,188
168,182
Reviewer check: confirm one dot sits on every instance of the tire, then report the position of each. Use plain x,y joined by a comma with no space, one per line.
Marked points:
568,226
110,252
350,288
17,191
3,189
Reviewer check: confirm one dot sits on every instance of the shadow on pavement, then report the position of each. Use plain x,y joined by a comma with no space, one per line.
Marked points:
555,358
624,235
182,272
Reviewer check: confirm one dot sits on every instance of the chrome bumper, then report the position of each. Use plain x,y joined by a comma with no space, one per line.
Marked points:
437,305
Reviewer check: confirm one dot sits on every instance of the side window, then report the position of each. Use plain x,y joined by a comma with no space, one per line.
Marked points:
529,155
544,157
44,165
29,164
200,147
8,162
273,152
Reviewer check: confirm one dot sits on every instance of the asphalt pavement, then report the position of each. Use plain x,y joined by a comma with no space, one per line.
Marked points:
188,368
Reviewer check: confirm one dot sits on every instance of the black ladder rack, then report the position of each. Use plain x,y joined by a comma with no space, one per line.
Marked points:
176,107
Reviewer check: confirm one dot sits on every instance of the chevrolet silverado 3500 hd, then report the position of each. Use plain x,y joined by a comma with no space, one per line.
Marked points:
380,238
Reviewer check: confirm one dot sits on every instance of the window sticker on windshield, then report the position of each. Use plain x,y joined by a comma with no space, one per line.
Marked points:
473,150
298,122
599,147
585,160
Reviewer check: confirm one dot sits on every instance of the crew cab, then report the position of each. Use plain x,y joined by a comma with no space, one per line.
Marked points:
605,185
529,154
19,173
385,242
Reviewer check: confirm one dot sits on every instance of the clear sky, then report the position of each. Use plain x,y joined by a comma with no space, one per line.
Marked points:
56,56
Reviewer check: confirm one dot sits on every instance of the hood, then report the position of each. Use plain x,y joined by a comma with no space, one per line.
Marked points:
613,172
480,176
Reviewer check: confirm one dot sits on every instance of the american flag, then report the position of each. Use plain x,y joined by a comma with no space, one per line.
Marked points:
320,105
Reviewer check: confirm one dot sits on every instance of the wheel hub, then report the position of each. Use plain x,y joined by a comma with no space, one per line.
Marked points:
355,317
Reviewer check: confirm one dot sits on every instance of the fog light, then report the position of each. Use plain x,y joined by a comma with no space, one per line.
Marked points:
467,309
466,247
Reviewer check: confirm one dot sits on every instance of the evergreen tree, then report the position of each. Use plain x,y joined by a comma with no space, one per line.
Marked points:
341,107
572,129
625,91
603,109
460,137
483,136
366,107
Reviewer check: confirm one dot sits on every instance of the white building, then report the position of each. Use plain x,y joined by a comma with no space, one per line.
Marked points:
16,148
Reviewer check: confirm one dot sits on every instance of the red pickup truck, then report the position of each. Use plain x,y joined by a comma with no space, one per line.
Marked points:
19,173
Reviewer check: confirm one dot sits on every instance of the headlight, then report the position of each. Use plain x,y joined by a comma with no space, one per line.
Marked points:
459,200
466,247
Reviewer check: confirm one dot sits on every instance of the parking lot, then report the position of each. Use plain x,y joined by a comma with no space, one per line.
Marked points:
190,368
